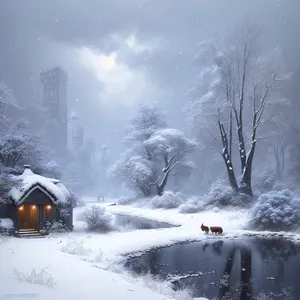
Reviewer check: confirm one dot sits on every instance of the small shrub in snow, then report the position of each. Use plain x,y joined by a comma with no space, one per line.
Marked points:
168,200
96,219
276,210
75,248
216,209
42,277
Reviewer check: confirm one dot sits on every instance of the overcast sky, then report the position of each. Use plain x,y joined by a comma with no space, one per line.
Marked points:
120,52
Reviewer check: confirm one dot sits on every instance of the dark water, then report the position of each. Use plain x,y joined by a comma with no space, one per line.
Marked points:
240,269
132,222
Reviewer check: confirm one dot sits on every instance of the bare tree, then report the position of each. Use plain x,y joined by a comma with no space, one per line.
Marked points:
279,145
243,88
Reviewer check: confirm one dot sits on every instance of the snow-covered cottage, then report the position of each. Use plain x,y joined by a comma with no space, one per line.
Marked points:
37,202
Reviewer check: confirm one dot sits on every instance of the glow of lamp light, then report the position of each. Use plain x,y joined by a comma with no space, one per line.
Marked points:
48,207
21,207
33,206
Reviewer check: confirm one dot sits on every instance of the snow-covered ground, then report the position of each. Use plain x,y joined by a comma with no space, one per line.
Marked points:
84,265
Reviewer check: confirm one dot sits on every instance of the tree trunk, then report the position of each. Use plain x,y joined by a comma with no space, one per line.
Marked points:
145,191
242,150
230,134
246,181
226,155
161,187
230,173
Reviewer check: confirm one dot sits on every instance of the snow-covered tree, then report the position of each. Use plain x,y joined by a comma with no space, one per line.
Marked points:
155,152
234,95
168,148
7,97
136,168
48,168
7,181
147,120
17,148
135,172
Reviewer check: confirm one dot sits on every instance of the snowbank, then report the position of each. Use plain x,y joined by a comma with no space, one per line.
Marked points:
91,260
76,280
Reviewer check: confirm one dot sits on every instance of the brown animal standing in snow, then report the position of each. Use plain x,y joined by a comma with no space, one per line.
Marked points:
216,229
204,228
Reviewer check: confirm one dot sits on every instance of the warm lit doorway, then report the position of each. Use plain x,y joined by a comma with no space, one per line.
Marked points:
28,217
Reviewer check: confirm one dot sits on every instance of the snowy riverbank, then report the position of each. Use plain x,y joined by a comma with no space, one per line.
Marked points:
83,265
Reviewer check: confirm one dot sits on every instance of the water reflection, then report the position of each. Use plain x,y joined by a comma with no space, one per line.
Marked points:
132,222
239,269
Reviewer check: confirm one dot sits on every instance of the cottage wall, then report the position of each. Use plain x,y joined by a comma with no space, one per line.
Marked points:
12,213
3,210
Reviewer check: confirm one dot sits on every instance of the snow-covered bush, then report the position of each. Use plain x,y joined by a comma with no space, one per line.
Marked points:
219,196
7,181
167,200
41,277
96,219
193,205
56,227
276,210
6,226
75,248
216,209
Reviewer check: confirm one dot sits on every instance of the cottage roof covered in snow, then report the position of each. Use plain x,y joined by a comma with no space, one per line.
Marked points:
30,181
